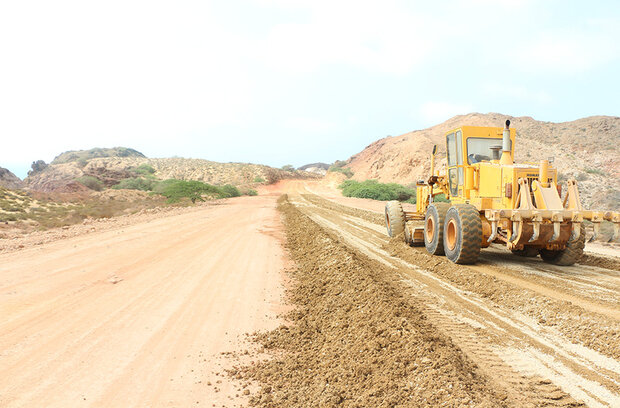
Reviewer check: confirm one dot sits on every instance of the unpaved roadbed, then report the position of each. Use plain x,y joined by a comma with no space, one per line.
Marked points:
354,339
535,334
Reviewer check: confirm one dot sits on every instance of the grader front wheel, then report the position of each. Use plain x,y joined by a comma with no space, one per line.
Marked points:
433,227
394,218
462,235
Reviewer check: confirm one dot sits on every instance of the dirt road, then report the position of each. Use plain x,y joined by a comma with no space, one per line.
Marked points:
138,316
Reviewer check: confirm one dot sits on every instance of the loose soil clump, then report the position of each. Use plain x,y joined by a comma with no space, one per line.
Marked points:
355,339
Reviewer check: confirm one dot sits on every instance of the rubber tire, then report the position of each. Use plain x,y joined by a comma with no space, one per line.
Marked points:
468,234
408,237
567,256
438,212
526,252
394,218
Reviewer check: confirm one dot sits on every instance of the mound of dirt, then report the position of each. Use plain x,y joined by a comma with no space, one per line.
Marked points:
355,340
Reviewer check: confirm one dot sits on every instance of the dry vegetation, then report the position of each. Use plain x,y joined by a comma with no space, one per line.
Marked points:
23,212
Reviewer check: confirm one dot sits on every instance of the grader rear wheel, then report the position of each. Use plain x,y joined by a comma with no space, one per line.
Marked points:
433,227
462,234
394,218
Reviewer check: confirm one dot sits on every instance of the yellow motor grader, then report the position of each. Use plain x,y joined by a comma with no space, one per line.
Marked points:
492,199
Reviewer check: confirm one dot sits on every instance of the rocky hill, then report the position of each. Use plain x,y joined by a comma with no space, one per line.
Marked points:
97,152
9,180
68,176
586,149
318,168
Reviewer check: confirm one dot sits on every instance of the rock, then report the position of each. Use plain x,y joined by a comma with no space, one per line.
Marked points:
10,180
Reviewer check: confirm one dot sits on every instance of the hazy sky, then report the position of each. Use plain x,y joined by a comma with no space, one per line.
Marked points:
284,81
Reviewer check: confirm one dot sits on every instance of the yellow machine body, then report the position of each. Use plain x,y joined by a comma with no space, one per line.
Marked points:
520,205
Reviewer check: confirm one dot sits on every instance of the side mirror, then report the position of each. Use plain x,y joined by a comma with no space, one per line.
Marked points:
434,149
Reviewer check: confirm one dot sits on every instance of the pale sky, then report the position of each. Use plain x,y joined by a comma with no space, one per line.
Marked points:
289,82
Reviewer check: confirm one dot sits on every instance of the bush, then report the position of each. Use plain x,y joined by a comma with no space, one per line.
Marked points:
251,192
37,167
228,191
259,179
135,184
288,167
176,190
91,182
144,170
376,191
595,171
344,170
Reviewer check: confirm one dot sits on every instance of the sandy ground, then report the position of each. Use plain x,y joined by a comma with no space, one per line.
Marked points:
138,315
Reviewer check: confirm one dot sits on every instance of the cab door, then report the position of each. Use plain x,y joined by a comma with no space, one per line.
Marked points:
454,147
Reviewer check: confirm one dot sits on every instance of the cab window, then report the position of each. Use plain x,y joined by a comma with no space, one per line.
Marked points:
479,149
451,147
459,147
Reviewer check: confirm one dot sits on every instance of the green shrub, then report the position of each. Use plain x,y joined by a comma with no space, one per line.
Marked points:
288,167
135,184
344,170
91,182
251,192
259,179
376,191
595,171
176,190
228,191
144,170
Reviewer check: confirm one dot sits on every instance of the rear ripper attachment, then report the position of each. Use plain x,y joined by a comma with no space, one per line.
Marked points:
493,199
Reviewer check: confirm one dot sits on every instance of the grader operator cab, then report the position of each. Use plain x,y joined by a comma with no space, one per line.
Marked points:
493,199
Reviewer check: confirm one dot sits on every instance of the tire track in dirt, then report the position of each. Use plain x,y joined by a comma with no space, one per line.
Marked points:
354,340
593,378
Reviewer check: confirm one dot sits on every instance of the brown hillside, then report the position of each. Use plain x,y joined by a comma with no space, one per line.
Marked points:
586,149
110,170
